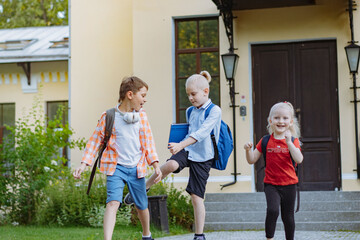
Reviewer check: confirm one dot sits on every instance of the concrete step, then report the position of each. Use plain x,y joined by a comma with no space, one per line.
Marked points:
318,211
235,197
303,226
304,206
304,196
259,216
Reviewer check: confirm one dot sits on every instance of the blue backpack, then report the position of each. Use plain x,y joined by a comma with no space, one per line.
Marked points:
225,145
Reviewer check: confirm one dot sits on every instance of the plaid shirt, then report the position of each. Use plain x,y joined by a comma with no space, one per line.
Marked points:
109,157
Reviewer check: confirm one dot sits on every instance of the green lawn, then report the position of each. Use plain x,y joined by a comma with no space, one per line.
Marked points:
80,233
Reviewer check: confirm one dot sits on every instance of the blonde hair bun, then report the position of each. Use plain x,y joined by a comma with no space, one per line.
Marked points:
206,74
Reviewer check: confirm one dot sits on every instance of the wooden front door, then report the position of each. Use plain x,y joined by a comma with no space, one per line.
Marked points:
305,74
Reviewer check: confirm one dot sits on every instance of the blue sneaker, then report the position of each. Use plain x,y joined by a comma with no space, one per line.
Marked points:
128,200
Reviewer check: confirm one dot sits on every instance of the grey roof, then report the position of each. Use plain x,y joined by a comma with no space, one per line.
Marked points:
39,48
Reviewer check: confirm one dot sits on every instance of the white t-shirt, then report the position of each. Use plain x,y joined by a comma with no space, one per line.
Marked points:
127,143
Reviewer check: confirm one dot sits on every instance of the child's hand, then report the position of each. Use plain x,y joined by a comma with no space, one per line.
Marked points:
158,175
248,146
175,148
288,136
79,170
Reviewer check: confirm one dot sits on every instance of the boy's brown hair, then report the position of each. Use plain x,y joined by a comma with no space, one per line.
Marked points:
133,84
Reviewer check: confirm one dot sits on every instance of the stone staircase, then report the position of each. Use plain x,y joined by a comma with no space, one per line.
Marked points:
318,211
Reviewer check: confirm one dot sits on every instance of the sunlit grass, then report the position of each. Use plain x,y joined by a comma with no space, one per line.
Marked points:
81,233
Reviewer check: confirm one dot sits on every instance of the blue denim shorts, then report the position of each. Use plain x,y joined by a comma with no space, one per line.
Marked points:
115,186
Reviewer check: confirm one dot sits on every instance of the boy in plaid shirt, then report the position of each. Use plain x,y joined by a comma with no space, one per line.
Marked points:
123,160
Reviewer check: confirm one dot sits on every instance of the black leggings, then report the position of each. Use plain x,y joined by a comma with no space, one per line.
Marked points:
283,196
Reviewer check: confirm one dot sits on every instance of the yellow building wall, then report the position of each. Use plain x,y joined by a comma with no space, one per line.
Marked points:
101,55
137,37
51,79
154,61
326,20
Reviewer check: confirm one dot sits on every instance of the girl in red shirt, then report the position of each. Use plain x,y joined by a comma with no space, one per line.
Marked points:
280,177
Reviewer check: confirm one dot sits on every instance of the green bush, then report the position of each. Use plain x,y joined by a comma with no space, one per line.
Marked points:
66,202
96,216
29,160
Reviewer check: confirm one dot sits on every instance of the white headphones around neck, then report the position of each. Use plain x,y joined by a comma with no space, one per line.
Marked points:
131,117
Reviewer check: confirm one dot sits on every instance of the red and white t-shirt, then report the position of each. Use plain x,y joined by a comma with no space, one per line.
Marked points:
279,169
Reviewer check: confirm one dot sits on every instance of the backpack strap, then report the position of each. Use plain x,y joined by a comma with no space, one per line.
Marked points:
109,123
264,143
212,135
207,111
292,160
188,113
296,167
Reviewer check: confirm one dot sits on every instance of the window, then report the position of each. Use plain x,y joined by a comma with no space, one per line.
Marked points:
16,44
51,111
52,108
7,117
63,43
197,49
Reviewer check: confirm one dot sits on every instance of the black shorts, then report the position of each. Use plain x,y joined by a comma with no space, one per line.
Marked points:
198,171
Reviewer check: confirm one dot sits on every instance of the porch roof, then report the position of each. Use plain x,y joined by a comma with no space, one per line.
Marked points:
257,4
34,44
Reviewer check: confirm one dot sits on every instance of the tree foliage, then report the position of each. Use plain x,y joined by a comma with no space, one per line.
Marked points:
32,13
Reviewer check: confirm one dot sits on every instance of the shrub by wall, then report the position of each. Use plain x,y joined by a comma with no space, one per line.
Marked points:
30,160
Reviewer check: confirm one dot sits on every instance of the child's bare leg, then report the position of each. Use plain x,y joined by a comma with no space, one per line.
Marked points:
110,218
199,213
166,168
144,218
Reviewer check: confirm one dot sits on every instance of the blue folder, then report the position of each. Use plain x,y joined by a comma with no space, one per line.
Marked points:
178,132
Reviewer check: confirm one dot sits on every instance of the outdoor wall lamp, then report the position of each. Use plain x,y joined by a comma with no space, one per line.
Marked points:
230,61
352,55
